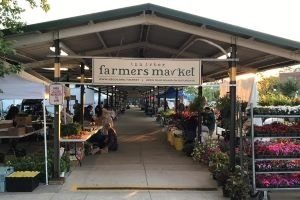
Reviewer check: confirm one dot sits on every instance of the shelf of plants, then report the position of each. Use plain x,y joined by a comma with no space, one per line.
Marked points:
276,150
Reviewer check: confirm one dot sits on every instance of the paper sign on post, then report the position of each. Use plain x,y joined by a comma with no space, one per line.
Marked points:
56,94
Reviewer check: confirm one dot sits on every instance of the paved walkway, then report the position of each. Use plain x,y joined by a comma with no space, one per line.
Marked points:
144,159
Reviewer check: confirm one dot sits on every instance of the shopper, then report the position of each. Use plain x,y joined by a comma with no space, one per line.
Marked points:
88,113
107,116
209,120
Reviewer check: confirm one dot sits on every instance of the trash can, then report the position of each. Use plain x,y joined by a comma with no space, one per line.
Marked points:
4,171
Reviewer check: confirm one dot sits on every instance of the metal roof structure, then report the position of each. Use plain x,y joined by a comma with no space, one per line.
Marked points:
148,31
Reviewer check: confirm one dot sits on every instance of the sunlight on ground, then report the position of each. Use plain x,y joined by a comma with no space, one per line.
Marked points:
139,138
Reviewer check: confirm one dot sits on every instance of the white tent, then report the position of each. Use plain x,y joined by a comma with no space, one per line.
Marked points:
26,86
246,89
22,86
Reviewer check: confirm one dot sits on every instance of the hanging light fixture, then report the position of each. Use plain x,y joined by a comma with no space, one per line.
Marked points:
62,52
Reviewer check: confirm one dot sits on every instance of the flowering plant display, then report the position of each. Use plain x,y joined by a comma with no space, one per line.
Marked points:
274,148
277,110
238,184
202,152
277,165
278,180
277,130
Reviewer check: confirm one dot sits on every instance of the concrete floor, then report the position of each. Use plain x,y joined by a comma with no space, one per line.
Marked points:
144,159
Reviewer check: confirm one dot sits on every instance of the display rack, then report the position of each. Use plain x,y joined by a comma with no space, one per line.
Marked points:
256,158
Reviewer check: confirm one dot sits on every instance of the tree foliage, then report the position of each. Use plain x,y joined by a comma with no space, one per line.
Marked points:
289,88
273,92
268,85
10,12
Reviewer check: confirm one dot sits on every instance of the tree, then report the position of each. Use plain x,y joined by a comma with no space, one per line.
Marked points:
268,85
191,92
10,12
289,88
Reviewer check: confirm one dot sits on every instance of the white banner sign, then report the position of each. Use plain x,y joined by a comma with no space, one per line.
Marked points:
152,72
56,94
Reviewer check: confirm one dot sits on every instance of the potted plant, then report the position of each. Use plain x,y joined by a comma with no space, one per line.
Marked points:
238,184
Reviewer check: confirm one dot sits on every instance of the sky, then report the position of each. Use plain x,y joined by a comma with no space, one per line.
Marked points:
276,17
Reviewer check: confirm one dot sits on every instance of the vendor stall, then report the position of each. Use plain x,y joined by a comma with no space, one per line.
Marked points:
25,86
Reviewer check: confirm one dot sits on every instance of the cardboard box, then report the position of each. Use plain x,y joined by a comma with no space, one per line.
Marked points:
6,124
23,120
16,131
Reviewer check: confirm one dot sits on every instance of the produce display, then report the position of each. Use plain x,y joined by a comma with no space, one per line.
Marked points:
81,135
70,129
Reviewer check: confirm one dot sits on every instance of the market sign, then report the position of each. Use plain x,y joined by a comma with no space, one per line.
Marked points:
56,94
151,72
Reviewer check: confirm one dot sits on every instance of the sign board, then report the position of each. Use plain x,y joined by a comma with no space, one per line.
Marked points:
150,72
56,94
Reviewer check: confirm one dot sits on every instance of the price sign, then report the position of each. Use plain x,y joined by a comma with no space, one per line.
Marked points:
56,94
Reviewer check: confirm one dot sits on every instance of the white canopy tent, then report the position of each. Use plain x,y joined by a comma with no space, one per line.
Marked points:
246,89
26,86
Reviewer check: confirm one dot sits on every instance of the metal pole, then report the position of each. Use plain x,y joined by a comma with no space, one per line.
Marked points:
68,99
199,114
176,100
232,87
45,140
115,99
99,96
112,97
153,102
200,109
82,94
107,96
158,98
56,136
165,100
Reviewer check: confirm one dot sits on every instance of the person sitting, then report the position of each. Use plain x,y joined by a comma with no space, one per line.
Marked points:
112,142
105,139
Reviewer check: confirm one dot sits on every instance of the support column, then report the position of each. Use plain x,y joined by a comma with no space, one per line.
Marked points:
200,110
232,89
56,136
115,102
153,101
176,100
158,98
107,97
82,94
99,96
112,97
165,100
68,99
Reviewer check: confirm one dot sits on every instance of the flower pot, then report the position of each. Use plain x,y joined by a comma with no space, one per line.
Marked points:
178,143
21,184
226,192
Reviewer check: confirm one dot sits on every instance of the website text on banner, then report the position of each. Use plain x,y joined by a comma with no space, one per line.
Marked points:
154,72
